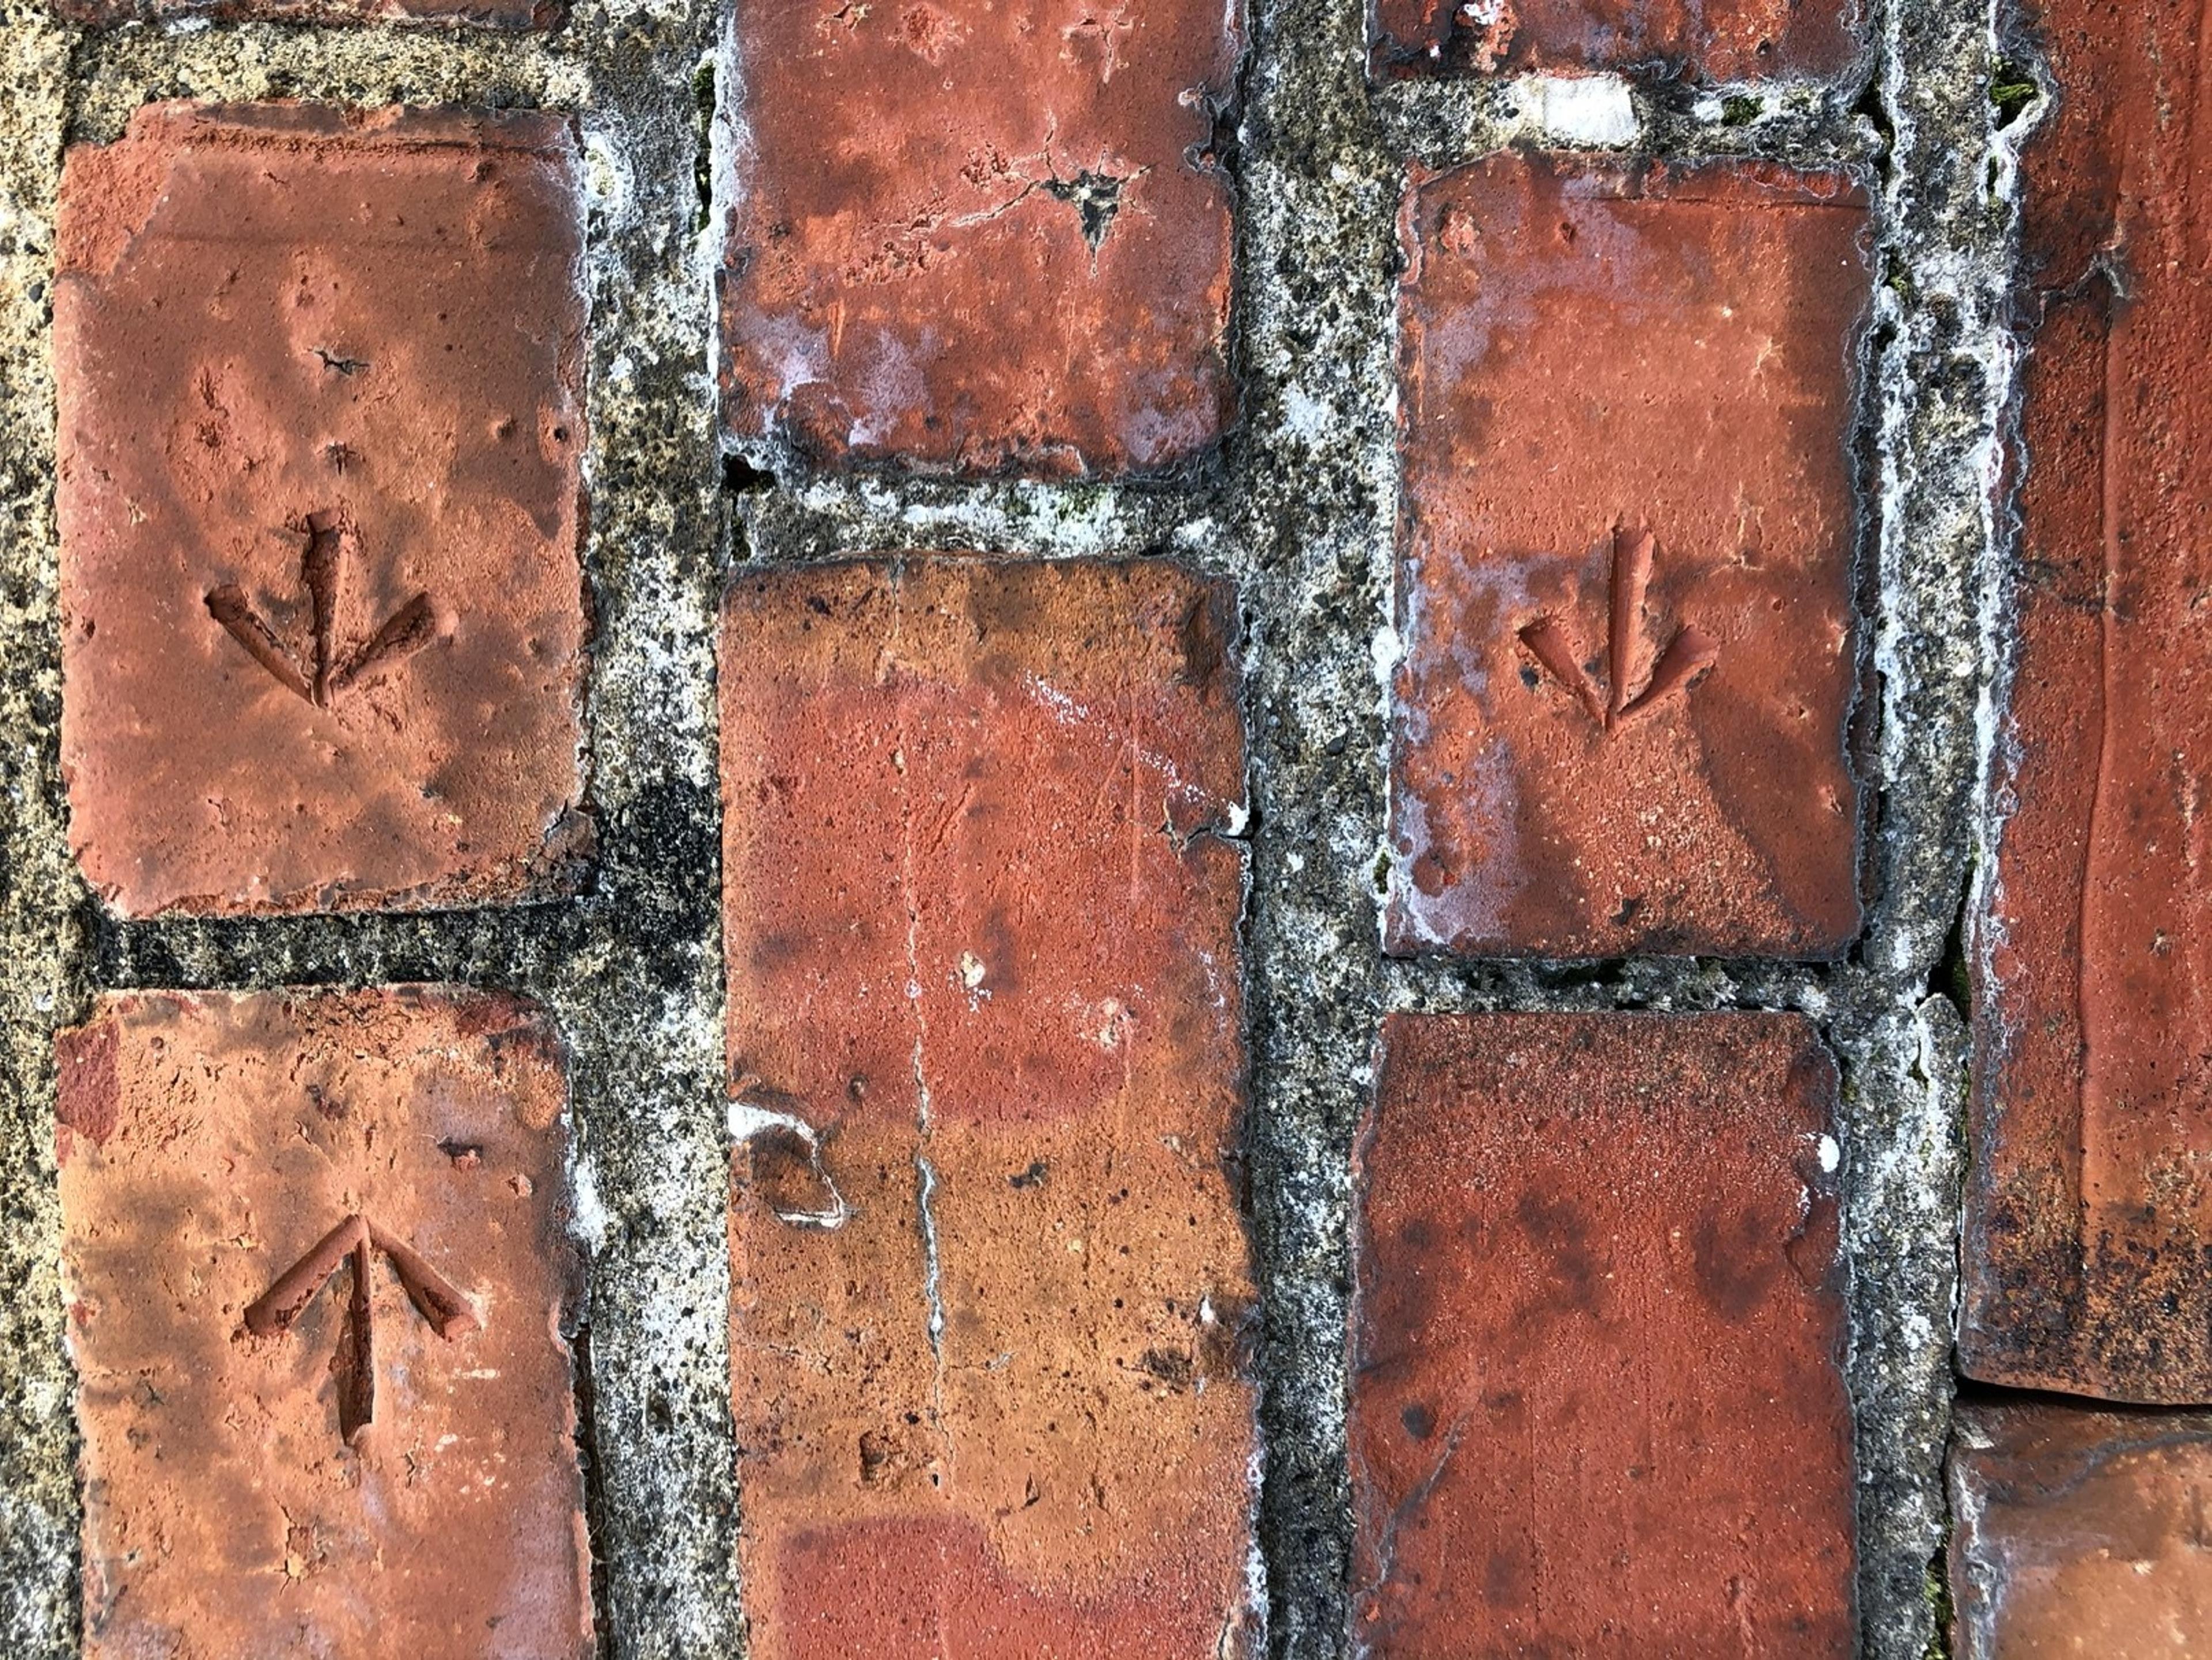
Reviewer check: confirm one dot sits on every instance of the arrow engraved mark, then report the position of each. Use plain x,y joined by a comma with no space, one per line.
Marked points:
1688,654
357,1239
405,632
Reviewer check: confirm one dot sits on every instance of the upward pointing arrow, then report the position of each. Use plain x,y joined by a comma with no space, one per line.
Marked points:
434,1296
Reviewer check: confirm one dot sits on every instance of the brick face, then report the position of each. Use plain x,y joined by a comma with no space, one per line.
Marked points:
975,239
1597,1405
989,1278
2079,1533
321,433
386,1467
1626,557
2089,1213
1708,40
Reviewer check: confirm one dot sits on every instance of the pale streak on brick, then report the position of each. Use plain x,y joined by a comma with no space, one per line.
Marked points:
982,932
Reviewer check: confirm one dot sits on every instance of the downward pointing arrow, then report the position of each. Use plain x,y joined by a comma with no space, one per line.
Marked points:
406,631
1685,656
434,1296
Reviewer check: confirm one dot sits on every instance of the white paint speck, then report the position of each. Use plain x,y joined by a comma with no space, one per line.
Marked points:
1593,110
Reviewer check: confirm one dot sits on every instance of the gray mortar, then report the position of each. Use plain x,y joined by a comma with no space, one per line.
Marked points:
1298,508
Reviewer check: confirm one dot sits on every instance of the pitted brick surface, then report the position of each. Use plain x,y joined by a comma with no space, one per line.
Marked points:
1627,555
282,1463
990,1282
321,434
1597,1396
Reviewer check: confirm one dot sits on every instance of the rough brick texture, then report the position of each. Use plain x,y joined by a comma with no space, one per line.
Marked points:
1706,41
1597,1403
2080,1532
989,1278
1626,560
321,433
2089,1217
972,237
323,1463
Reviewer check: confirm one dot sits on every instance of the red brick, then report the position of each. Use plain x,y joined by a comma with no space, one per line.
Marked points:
481,14
1613,377
1701,40
983,962
259,1484
2079,1533
2089,1206
1596,1402
973,238
304,352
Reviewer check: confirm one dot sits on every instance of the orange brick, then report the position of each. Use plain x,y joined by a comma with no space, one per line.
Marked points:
2079,1533
990,1282
1597,1403
2089,1198
972,237
321,429
316,1253
1626,562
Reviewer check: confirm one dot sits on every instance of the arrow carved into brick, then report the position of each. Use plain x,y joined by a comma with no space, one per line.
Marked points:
358,1238
405,632
1688,654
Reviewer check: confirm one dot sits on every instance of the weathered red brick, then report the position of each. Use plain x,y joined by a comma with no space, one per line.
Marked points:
990,1281
2079,1533
2089,1204
480,13
388,1467
320,377
969,238
1625,561
1701,40
1596,1404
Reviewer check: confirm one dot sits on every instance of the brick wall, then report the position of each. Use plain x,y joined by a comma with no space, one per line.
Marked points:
942,830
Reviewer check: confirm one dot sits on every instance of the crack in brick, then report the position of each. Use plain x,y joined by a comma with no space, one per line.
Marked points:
749,1118
1386,1548
925,1124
